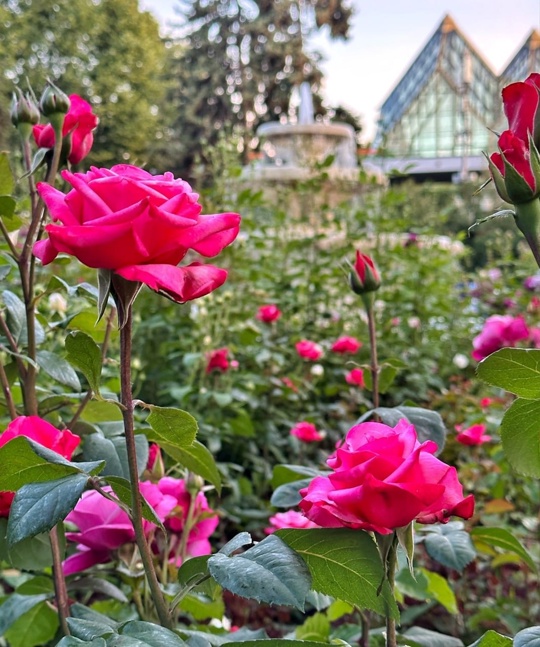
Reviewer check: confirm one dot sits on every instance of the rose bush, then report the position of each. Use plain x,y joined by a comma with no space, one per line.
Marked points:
383,478
139,226
499,331
78,127
62,442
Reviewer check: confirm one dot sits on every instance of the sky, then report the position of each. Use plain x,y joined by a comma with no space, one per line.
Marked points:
387,35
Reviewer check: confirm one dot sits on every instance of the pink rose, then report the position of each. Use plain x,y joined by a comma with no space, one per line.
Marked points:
42,432
364,276
103,526
268,313
139,226
345,345
499,331
204,519
218,360
309,350
355,377
307,432
79,122
383,479
474,435
289,519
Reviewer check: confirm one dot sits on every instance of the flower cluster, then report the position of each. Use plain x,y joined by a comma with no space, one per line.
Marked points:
382,479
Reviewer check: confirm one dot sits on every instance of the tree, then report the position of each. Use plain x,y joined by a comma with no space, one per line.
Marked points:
241,61
108,52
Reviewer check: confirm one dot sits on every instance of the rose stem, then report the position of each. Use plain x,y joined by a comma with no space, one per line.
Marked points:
136,507
62,600
374,366
391,577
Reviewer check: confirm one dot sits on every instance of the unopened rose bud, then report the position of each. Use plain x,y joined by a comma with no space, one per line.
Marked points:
364,276
53,101
23,110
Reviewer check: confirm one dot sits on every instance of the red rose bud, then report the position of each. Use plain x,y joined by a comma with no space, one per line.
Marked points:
53,101
364,276
516,168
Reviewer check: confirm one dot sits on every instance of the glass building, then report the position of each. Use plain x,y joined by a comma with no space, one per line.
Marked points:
448,102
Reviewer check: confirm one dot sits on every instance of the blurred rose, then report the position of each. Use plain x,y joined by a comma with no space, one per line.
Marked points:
306,431
486,402
532,282
42,432
218,360
346,345
309,350
289,519
474,435
355,377
499,331
79,122
383,478
268,313
317,370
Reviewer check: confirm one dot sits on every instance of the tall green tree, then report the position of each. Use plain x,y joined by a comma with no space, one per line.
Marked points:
109,52
241,61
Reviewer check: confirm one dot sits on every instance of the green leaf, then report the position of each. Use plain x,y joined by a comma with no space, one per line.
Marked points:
7,207
405,537
85,354
449,547
32,554
316,627
269,572
70,641
38,507
238,541
288,494
88,629
345,564
58,368
493,639
195,569
529,637
387,375
16,320
439,589
242,424
151,634
288,473
6,176
276,642
428,638
15,606
21,466
520,435
35,628
114,452
172,426
502,538
514,369
201,607
122,488
429,425
196,458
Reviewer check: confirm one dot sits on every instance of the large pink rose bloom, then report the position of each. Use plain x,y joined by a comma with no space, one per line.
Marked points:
42,432
499,331
139,226
383,478
79,122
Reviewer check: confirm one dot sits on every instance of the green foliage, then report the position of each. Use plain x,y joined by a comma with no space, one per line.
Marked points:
502,538
493,639
449,545
515,369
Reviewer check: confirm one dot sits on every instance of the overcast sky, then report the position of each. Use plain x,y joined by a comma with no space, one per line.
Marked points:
387,35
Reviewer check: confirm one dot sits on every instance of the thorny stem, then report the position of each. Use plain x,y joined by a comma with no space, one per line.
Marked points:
374,365
391,640
62,599
136,507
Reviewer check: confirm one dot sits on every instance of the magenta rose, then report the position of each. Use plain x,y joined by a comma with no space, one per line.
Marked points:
289,519
139,226
307,432
355,377
79,122
499,331
346,345
382,479
218,360
268,313
474,435
62,442
364,276
309,350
